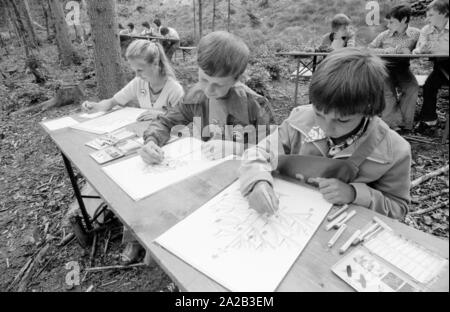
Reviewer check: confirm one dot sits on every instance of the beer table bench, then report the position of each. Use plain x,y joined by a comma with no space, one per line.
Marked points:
310,60
152,216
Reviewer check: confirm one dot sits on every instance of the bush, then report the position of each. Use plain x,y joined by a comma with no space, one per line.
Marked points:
258,79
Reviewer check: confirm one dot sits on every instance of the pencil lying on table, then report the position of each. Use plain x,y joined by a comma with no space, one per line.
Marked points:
365,232
337,235
348,217
330,225
349,241
337,213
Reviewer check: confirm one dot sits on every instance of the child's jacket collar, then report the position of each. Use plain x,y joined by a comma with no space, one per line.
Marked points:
237,106
410,32
303,120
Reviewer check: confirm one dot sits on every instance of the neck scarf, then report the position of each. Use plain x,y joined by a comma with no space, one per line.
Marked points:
338,144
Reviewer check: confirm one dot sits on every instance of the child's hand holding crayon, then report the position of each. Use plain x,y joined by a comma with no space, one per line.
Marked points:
104,105
335,191
217,149
148,115
151,153
263,198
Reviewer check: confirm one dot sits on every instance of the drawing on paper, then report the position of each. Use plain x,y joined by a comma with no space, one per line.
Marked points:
235,245
246,229
139,179
168,164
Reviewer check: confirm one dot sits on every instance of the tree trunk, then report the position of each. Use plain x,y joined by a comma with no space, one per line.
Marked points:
3,15
214,15
24,14
200,19
32,62
45,10
19,26
195,23
229,13
67,53
108,63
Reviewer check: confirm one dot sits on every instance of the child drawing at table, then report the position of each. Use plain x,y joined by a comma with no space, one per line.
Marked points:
341,36
434,39
218,99
399,38
346,92
155,87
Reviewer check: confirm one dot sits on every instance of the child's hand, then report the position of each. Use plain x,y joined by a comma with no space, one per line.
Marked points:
104,105
148,115
152,153
217,149
403,51
335,191
263,198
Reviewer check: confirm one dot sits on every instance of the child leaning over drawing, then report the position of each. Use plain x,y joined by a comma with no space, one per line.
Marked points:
218,99
155,87
346,93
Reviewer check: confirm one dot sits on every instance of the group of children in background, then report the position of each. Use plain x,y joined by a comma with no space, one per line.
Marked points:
401,38
347,92
171,36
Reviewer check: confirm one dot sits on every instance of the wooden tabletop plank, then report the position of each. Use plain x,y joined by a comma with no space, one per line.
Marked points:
410,56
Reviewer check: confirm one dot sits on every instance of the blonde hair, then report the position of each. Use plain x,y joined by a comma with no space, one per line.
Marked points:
152,53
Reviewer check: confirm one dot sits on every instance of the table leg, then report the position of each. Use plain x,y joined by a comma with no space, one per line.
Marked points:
77,192
296,82
314,63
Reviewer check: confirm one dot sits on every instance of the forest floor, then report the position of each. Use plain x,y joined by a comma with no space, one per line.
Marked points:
35,191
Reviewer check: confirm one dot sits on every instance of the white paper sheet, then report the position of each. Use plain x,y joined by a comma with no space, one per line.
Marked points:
182,159
112,121
60,123
240,249
92,115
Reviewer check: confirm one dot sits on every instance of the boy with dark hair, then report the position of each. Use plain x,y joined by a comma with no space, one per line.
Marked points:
434,39
218,99
173,41
342,123
131,30
158,24
147,29
400,38
340,36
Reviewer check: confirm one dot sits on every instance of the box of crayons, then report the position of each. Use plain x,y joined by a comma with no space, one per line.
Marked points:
389,262
110,139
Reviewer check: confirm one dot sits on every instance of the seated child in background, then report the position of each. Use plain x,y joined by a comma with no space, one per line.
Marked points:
170,46
342,123
218,98
131,31
147,30
400,38
157,23
155,87
341,36
434,40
